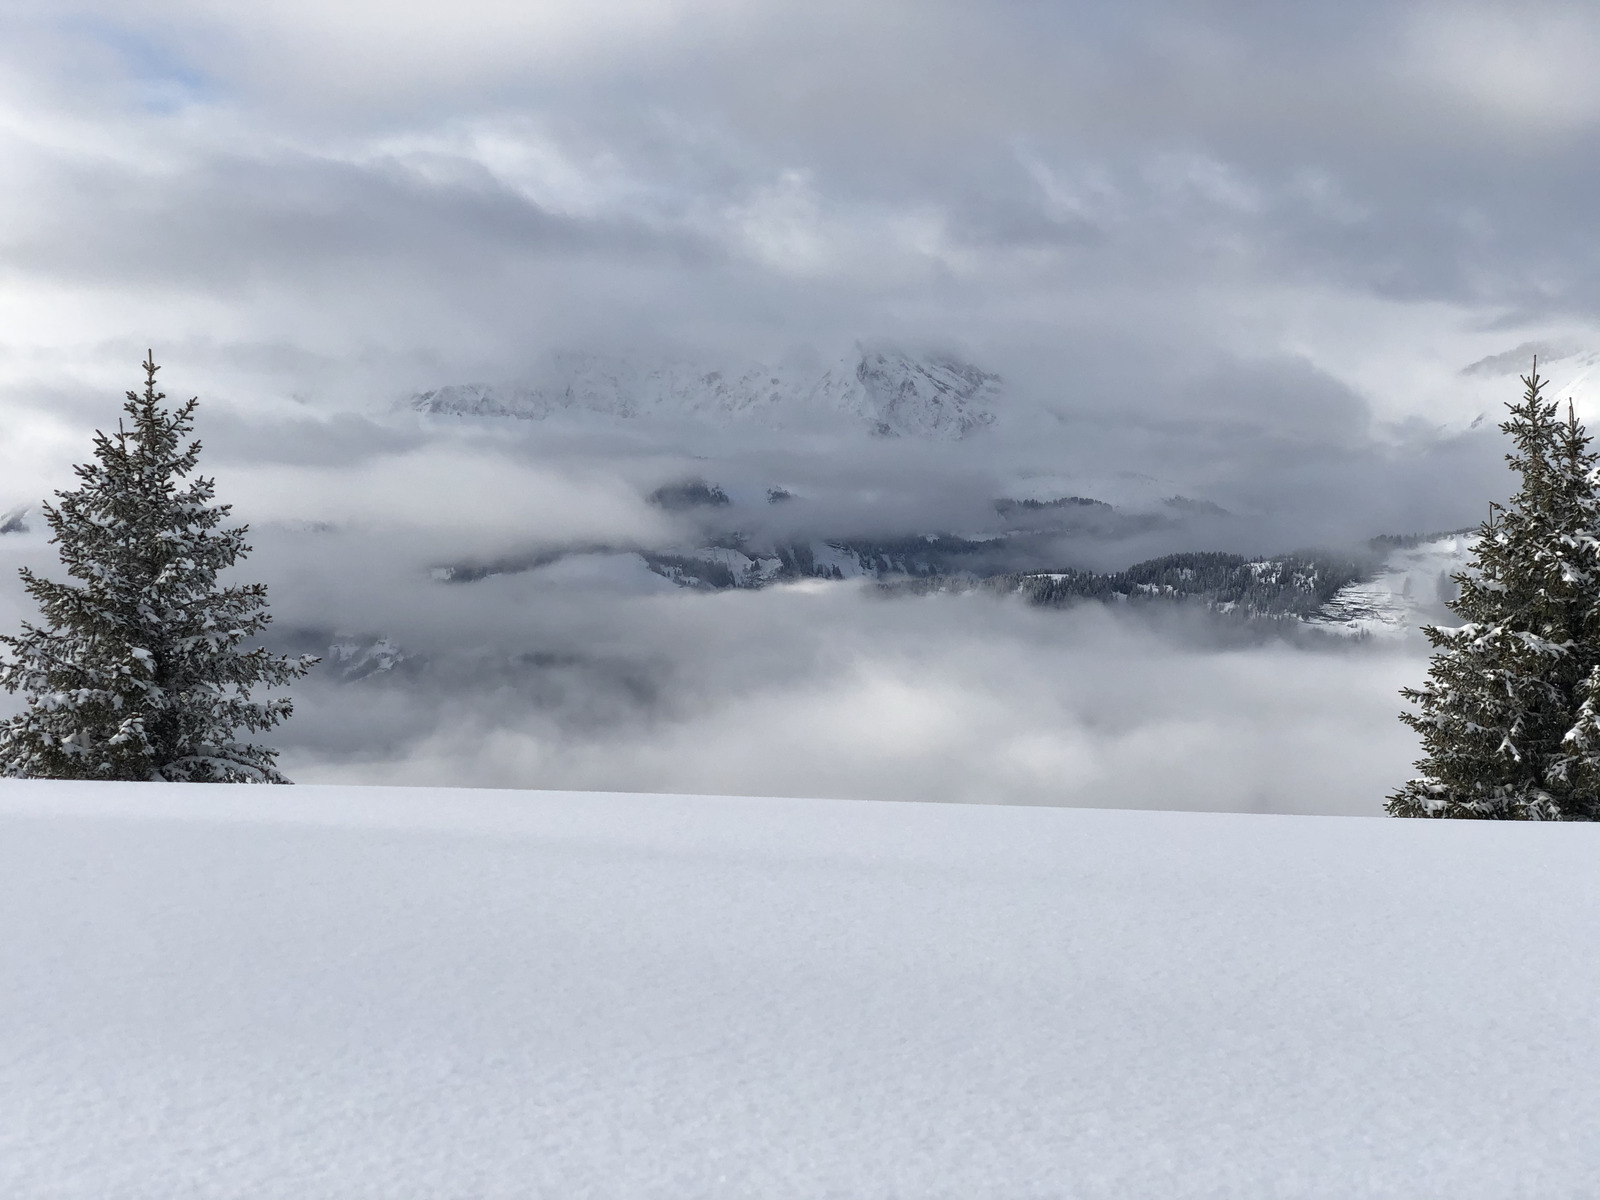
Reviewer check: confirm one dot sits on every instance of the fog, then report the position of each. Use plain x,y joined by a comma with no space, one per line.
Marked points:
1281,264
828,690
591,671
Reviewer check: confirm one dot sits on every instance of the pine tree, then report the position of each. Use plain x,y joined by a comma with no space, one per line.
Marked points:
139,670
1510,715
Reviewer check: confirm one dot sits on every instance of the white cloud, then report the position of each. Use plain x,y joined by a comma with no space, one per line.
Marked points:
969,699
1529,66
473,498
360,52
1245,250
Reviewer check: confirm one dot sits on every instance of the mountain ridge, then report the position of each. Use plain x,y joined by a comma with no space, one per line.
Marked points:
891,393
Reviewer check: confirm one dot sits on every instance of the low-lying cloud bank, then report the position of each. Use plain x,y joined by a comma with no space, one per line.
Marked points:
587,670
835,690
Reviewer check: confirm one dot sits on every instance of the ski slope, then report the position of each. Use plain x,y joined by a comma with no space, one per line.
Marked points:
339,992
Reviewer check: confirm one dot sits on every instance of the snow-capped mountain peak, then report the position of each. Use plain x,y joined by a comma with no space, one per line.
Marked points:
889,392
896,393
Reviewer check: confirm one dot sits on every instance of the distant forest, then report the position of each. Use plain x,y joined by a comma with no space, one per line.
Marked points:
1285,585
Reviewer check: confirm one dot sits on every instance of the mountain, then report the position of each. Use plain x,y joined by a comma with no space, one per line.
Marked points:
888,392
1398,584
1285,585
1517,360
1410,589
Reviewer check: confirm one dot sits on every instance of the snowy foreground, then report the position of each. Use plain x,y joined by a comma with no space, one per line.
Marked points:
344,992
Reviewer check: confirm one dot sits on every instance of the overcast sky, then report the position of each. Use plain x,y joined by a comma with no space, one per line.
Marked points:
1379,189
1248,248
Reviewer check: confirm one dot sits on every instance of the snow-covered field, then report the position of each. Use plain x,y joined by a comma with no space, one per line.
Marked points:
346,992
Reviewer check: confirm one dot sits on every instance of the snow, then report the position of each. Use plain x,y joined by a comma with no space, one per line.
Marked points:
887,392
1410,591
340,992
355,657
829,557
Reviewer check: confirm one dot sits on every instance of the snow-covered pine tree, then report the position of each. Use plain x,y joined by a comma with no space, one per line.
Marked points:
139,671
1508,716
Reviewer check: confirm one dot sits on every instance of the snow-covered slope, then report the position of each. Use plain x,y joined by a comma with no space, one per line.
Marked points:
888,392
316,992
1409,592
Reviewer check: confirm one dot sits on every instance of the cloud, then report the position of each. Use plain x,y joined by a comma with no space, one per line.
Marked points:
1234,252
829,691
757,174
1525,69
